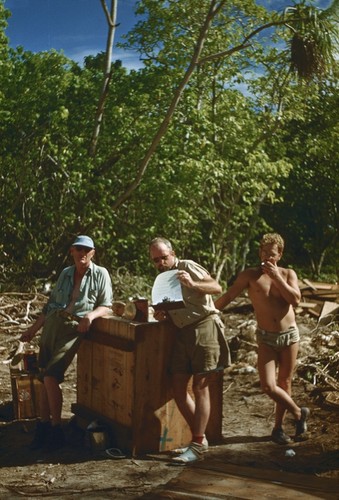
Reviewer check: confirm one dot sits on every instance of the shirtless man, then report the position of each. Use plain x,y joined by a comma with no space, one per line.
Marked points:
274,291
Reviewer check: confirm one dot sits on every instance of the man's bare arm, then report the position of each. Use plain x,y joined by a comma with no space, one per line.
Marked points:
285,280
289,289
28,335
238,286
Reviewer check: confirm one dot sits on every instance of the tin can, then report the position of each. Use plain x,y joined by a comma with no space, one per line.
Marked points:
141,310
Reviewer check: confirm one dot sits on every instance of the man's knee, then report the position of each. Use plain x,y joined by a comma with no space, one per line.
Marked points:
285,383
268,389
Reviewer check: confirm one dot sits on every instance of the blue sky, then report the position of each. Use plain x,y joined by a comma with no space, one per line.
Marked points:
78,27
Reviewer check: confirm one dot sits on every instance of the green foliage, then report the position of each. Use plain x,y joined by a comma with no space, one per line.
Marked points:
129,286
230,165
308,212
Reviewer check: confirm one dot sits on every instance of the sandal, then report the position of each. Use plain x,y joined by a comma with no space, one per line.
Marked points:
115,453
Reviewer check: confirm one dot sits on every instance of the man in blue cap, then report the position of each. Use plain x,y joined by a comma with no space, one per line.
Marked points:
82,293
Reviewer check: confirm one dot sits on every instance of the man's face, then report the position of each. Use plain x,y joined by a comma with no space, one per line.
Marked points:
270,252
162,257
82,256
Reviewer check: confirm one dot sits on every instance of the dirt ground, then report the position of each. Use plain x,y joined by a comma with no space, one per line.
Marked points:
75,471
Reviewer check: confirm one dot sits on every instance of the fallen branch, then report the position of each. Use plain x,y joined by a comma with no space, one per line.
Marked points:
331,381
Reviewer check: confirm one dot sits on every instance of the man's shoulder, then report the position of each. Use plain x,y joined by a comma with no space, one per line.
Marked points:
251,272
69,270
99,269
249,275
186,264
287,271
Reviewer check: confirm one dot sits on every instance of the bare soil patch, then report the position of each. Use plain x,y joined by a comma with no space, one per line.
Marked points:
75,471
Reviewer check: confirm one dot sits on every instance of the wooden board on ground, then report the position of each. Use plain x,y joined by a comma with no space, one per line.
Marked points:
328,310
309,284
212,479
307,305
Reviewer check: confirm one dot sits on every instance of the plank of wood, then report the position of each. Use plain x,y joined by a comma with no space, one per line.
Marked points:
314,313
309,283
324,287
328,308
321,293
327,312
306,305
212,480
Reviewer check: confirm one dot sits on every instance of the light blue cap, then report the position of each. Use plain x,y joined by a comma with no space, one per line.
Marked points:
84,241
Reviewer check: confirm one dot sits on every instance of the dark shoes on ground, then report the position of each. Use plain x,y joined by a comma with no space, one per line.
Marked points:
55,439
47,437
40,436
279,436
301,425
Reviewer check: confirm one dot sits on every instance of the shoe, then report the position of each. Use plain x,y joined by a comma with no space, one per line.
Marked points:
192,454
301,425
180,451
56,438
279,436
42,431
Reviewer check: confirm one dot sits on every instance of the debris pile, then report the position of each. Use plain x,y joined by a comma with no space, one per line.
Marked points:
17,311
320,300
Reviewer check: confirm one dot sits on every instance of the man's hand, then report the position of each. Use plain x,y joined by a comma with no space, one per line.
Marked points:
271,269
185,279
84,324
27,335
160,315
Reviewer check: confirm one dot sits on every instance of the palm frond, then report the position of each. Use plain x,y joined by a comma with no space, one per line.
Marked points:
314,40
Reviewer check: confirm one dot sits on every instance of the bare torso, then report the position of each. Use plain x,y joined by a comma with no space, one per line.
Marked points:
272,311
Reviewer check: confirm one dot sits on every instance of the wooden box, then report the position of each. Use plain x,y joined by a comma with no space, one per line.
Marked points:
26,394
123,380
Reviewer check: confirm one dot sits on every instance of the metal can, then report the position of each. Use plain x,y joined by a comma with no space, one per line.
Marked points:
141,310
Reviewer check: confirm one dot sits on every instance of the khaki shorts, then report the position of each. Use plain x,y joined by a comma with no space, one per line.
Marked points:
59,343
201,347
278,340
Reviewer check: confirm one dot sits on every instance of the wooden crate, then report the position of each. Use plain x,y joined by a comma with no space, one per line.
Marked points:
26,390
122,379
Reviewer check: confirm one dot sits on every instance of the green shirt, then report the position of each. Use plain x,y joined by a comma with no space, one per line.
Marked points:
95,291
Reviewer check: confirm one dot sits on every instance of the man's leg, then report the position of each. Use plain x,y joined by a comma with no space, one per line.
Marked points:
196,413
267,361
202,406
182,397
56,438
55,400
45,414
287,362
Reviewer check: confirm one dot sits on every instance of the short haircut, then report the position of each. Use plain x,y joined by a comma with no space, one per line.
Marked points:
159,240
270,238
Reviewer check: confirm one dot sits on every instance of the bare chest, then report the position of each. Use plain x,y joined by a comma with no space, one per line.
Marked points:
263,287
